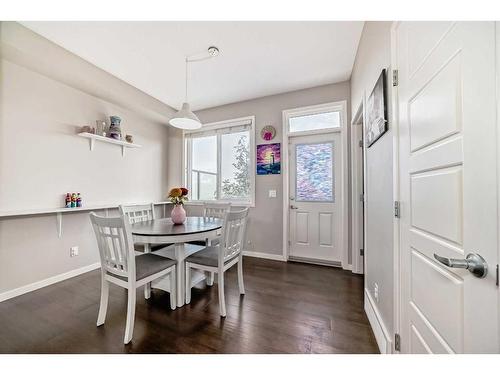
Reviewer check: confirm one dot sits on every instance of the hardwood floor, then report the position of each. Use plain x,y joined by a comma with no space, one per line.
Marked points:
288,308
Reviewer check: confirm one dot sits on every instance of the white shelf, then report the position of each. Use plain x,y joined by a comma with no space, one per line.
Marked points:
94,137
62,210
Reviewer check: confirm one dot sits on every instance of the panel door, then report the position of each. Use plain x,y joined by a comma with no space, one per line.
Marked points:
448,182
314,207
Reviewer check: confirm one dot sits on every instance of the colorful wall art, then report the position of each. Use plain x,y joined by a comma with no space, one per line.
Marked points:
269,159
314,180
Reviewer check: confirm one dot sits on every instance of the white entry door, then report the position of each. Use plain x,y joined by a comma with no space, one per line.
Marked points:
314,207
448,182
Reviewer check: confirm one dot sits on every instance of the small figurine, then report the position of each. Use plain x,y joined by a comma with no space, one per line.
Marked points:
73,200
79,200
68,200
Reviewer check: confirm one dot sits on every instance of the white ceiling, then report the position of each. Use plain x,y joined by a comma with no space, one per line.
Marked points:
256,59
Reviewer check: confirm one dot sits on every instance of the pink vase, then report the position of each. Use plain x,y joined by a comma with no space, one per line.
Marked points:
178,214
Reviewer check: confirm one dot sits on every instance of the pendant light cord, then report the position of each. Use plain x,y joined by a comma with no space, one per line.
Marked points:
186,88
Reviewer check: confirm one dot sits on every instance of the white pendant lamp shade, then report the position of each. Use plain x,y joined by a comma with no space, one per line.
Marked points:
185,119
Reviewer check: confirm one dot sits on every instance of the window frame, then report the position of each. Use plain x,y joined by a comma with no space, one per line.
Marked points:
315,110
215,126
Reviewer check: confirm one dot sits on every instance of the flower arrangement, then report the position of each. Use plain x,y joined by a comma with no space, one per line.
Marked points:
178,195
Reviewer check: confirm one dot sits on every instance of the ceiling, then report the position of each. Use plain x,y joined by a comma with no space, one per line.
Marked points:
256,58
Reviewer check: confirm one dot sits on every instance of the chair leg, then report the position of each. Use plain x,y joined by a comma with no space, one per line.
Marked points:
241,285
210,278
188,283
222,298
129,329
173,288
103,307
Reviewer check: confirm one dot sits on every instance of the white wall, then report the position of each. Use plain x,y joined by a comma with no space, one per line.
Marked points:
266,218
46,93
374,54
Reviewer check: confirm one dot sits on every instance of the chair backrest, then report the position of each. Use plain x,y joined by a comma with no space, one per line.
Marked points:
234,233
215,210
139,212
115,243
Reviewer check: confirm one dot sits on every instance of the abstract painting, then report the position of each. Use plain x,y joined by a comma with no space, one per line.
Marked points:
314,172
376,112
269,159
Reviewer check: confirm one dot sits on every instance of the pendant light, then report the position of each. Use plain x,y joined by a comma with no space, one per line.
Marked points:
185,118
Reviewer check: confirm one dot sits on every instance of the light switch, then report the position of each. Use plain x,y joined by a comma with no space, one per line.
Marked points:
272,193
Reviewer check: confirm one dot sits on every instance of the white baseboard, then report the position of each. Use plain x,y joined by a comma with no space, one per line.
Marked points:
264,255
384,340
46,282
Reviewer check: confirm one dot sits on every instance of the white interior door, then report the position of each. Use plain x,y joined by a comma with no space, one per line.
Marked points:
448,182
314,200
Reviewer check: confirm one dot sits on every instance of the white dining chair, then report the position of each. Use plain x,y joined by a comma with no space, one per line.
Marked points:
120,266
221,257
138,213
213,211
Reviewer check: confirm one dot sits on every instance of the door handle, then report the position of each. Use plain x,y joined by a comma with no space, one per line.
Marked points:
292,207
475,263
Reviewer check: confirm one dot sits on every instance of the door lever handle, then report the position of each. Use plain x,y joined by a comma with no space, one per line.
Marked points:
292,207
475,263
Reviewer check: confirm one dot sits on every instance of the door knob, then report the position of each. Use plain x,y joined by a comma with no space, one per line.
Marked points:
475,263
294,207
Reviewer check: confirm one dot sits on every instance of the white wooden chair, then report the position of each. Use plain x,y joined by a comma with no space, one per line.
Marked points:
223,256
213,211
138,213
120,266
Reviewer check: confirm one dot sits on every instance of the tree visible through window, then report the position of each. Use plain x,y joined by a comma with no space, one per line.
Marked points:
239,185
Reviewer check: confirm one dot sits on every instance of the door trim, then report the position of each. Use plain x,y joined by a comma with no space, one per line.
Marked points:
394,118
357,162
286,114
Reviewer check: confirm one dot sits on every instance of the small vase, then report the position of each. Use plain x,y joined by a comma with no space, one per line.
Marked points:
178,214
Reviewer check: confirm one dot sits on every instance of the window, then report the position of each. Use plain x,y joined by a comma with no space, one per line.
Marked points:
219,160
314,174
316,121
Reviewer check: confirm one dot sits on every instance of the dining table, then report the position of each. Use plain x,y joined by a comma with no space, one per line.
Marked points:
164,231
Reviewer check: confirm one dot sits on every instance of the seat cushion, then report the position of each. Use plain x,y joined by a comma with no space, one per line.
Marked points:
149,264
209,256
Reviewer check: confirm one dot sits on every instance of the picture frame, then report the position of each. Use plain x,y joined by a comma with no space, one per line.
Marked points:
376,111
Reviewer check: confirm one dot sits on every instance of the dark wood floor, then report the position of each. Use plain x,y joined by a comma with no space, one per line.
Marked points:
288,308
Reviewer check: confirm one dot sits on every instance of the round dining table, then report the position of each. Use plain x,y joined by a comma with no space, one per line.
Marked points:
164,231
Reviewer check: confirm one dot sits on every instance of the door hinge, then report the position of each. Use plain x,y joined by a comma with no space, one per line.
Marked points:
498,276
395,77
397,209
362,252
397,342
360,143
362,197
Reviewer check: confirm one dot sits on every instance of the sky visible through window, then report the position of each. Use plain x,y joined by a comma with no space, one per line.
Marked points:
327,120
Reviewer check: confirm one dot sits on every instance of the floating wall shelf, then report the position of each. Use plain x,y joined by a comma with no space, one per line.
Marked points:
94,137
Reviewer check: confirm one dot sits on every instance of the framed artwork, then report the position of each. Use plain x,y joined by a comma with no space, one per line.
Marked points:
269,159
376,111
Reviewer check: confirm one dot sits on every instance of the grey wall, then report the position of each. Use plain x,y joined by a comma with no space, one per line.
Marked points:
266,222
374,54
45,94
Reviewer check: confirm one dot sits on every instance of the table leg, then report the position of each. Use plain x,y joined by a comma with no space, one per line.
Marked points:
147,287
180,255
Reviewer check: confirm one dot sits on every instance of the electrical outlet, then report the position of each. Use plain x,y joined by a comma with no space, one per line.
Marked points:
73,251
375,291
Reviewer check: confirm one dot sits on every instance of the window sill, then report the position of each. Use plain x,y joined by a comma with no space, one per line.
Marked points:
233,203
